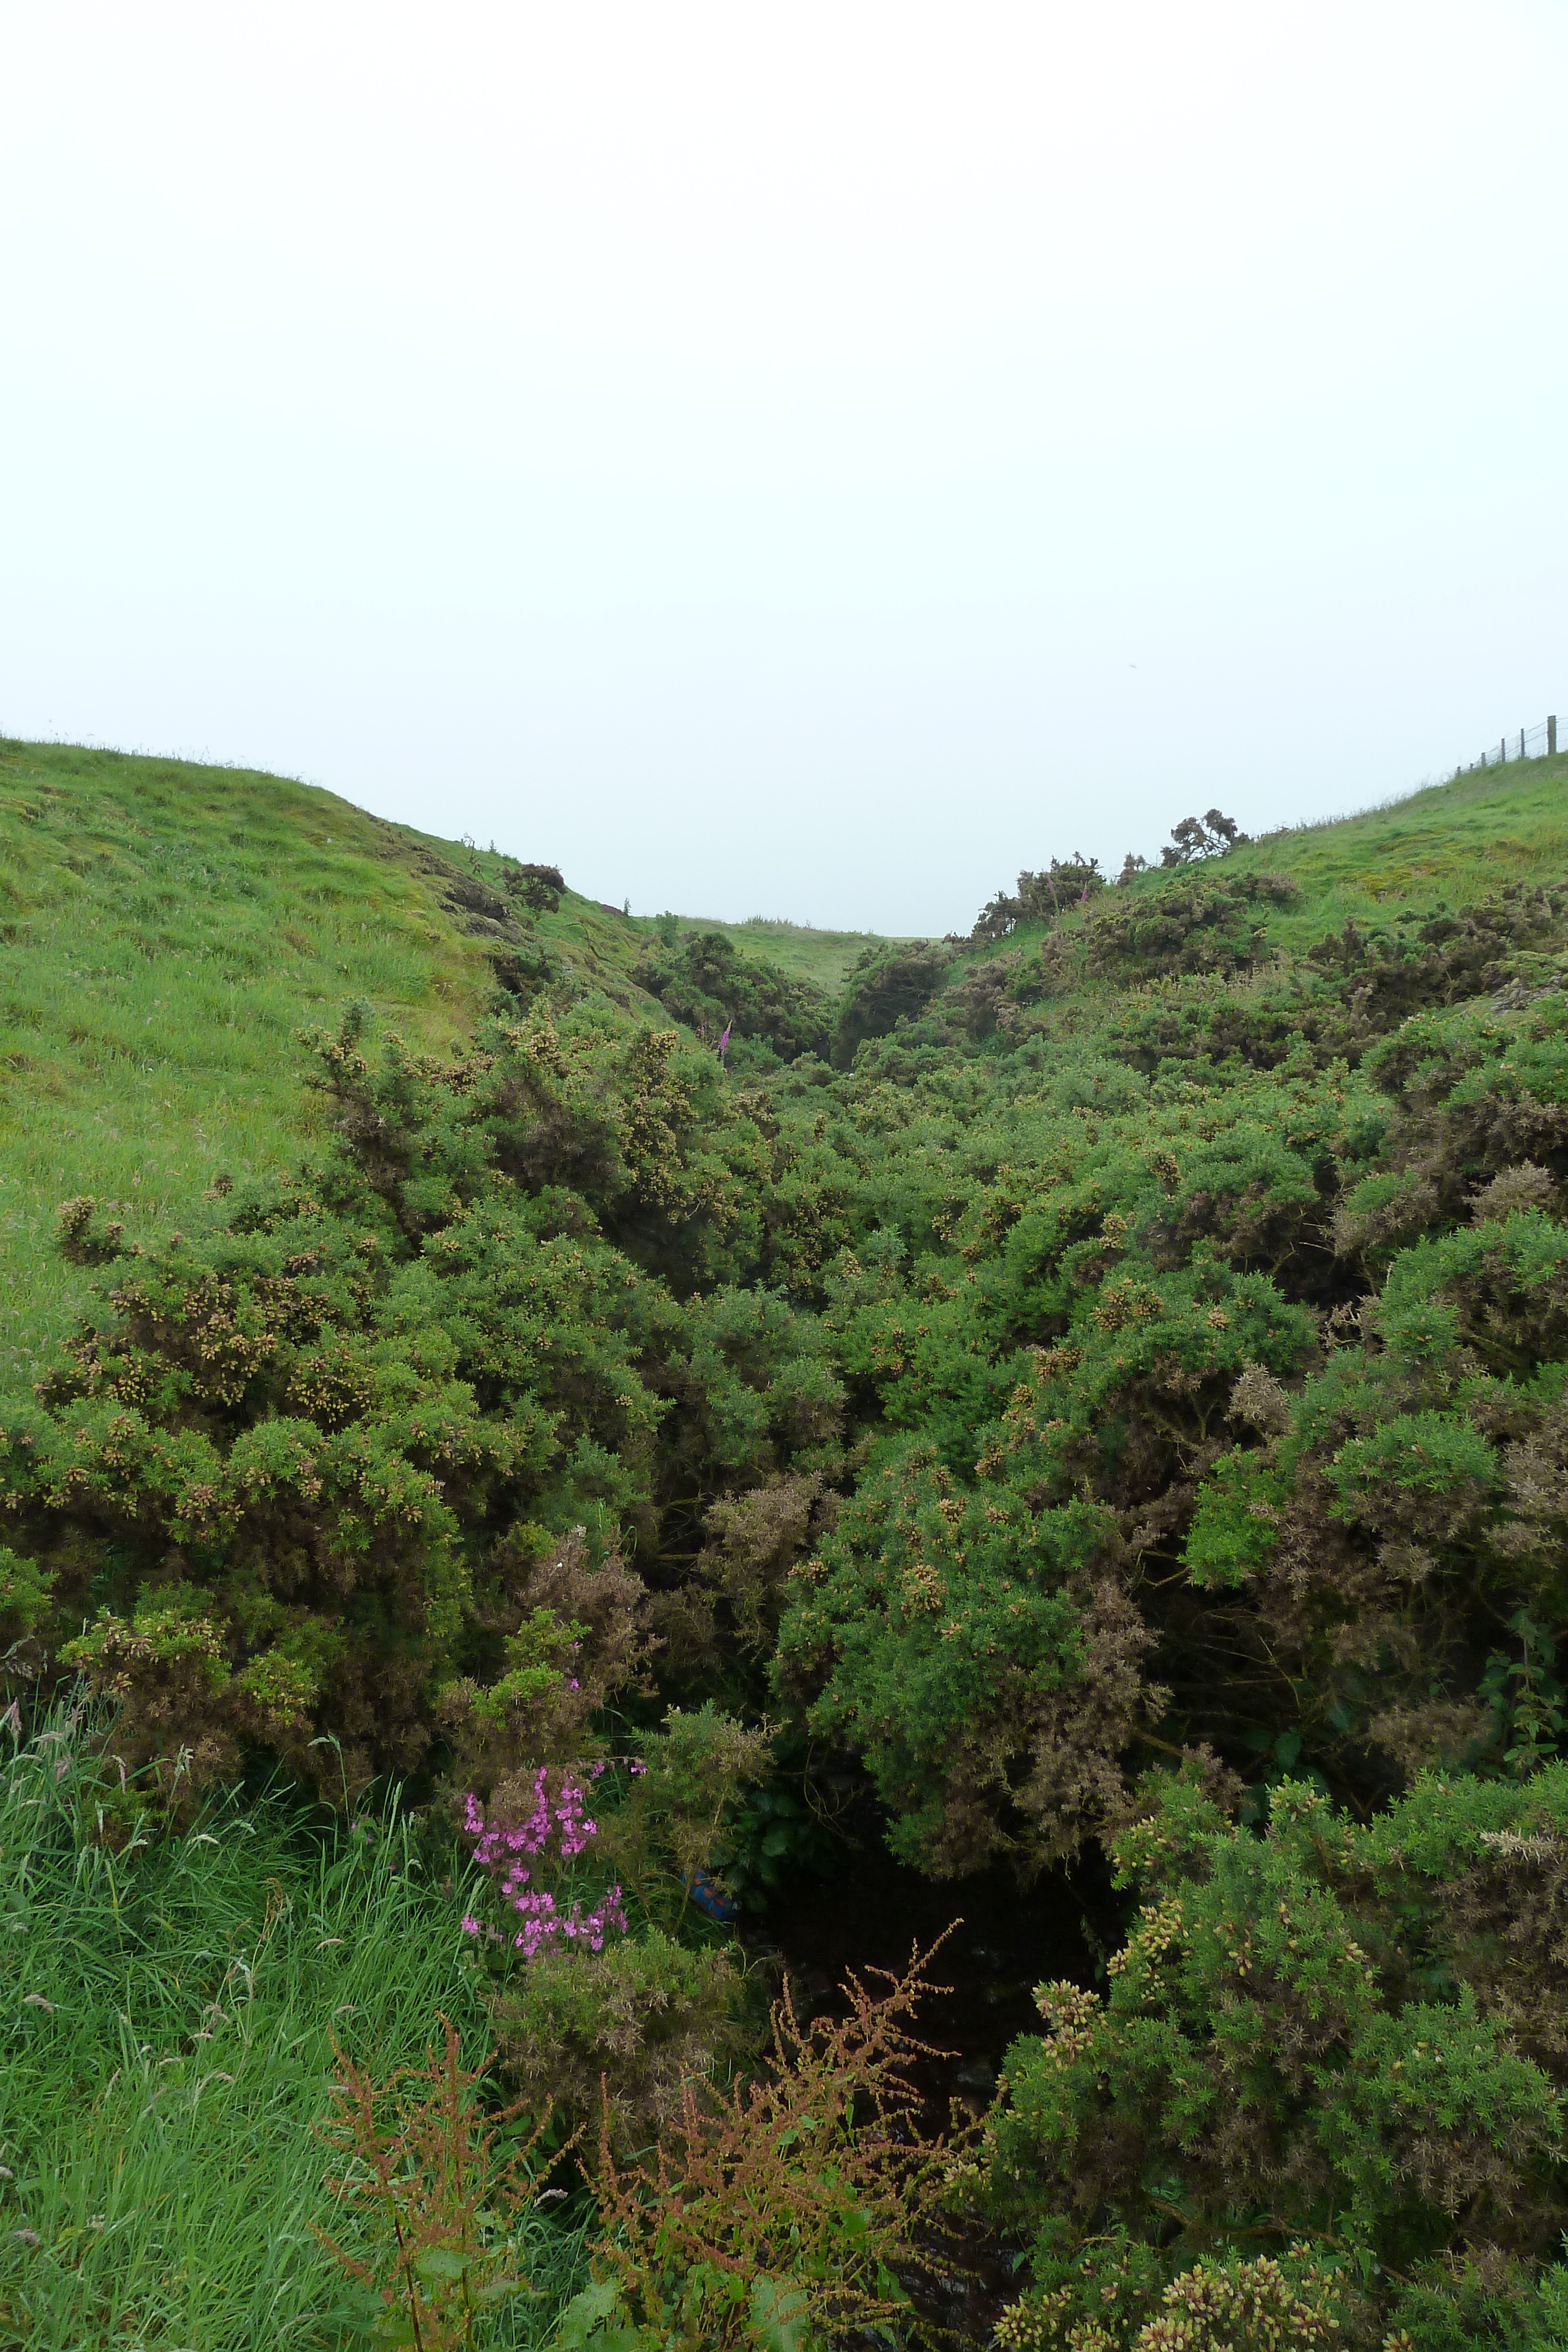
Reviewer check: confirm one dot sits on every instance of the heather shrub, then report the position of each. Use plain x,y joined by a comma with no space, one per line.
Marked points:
529,1847
599,2011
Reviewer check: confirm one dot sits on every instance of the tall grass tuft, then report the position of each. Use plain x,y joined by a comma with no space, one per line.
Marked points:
169,2010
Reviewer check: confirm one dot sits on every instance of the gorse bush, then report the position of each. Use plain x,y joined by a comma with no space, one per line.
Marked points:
1211,924
1039,897
1337,2034
355,1459
1197,838
570,1349
886,985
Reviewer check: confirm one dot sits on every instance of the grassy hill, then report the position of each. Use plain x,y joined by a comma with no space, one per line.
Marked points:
166,930
1454,841
1450,843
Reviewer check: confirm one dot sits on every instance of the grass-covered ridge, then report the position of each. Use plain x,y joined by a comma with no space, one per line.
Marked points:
1447,844
1454,841
166,930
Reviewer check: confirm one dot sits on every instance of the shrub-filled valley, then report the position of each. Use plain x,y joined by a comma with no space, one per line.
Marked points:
717,1636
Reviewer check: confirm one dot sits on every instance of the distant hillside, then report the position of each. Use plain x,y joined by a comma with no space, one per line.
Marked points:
823,958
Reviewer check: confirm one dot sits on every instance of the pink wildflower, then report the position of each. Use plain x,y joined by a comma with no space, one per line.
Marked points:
564,1823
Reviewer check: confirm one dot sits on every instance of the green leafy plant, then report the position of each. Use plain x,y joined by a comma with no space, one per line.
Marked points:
670,1830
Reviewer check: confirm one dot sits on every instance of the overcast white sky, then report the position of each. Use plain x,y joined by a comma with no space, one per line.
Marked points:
806,460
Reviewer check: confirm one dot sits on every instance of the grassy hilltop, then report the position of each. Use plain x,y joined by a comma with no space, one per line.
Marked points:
1068,1424
165,932
1455,840
1452,842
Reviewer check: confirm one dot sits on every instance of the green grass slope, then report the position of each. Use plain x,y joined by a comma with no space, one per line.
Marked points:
1454,843
1446,845
166,930
172,2010
1451,844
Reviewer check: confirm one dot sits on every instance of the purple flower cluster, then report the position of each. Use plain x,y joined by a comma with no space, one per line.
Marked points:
560,1823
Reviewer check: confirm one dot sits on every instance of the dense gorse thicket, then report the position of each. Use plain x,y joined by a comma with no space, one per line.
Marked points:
1121,1405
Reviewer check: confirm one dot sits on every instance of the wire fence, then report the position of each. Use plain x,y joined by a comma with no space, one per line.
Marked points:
1531,743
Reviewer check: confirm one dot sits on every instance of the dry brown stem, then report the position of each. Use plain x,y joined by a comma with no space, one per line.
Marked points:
817,2175
420,2160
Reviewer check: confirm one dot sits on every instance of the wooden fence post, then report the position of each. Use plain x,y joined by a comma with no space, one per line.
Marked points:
1552,738
1521,742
